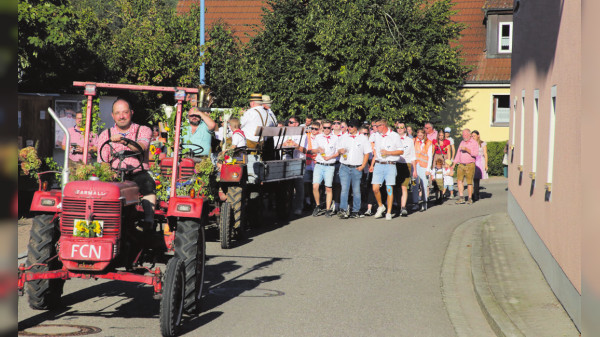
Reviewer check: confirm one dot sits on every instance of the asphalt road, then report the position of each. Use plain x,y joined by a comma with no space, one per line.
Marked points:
309,277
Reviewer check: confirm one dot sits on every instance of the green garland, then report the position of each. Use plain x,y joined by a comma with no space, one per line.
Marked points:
97,124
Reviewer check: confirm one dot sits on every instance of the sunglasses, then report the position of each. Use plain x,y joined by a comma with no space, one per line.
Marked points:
337,122
327,127
190,116
365,133
401,127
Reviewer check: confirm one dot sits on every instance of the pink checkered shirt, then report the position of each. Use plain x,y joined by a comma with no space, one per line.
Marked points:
143,138
77,138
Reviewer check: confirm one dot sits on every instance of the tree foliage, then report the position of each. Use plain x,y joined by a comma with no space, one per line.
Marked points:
353,59
128,41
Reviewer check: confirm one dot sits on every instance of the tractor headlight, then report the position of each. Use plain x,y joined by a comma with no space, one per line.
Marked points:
184,208
48,202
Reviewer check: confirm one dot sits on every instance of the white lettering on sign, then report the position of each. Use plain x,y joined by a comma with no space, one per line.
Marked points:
91,192
89,251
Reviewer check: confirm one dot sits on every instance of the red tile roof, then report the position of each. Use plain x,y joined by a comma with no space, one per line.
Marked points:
240,15
472,40
498,4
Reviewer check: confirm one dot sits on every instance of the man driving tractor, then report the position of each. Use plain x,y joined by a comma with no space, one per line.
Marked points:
127,151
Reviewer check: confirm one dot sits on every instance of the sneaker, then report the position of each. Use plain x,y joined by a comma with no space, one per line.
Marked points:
366,213
328,214
343,214
403,212
388,216
354,215
317,211
460,201
332,209
379,213
470,202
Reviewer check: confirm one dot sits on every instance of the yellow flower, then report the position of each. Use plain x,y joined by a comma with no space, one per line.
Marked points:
167,129
159,187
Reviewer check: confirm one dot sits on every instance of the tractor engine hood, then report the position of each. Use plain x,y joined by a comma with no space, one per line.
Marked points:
127,191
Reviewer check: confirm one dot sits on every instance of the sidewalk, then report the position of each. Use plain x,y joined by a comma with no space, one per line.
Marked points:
493,287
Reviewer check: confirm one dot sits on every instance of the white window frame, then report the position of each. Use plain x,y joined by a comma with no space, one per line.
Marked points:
551,134
536,121
492,107
510,37
514,121
522,140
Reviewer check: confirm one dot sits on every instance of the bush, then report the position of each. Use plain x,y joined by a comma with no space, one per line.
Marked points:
495,152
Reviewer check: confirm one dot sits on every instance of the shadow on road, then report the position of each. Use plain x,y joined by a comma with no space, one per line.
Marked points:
132,300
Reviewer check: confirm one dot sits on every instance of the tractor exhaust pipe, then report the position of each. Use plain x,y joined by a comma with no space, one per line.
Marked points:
65,171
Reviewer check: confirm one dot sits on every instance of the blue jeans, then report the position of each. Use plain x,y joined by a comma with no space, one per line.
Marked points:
423,183
350,176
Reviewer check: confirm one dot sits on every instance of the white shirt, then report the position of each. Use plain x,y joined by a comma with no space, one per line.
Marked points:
438,173
448,179
252,119
408,145
297,154
390,141
310,164
238,139
356,147
219,134
327,143
451,140
272,120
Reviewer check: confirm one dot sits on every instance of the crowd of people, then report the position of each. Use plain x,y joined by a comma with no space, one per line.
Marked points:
380,170
352,170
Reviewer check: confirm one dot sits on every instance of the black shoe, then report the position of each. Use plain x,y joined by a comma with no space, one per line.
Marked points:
403,212
343,214
423,207
354,215
328,214
317,211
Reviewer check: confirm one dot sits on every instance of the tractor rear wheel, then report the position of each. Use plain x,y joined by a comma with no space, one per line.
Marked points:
225,225
235,197
44,294
171,305
190,248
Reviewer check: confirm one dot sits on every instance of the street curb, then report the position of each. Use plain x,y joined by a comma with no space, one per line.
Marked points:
499,321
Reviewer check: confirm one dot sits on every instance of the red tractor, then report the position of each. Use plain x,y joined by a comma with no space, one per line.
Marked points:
87,230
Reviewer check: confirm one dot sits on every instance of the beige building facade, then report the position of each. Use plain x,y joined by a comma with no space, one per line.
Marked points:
545,185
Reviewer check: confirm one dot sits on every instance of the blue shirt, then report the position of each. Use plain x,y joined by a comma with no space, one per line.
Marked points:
201,137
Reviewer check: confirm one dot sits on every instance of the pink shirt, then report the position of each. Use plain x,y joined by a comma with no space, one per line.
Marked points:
77,137
143,138
431,136
463,157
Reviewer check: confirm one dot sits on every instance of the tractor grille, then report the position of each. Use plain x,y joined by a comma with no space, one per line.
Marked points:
108,211
185,173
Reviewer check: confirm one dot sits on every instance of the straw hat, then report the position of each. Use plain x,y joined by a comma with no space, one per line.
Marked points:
255,97
266,99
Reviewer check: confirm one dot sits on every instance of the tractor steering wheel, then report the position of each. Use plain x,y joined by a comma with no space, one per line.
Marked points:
122,155
195,150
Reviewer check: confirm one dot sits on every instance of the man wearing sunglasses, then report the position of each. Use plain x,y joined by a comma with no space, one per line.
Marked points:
325,149
199,132
309,143
388,149
354,150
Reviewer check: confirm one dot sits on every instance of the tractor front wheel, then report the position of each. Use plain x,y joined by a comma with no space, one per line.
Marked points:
225,225
44,294
171,305
190,248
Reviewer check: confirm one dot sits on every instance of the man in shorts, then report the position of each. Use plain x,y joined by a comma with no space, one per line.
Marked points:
388,149
325,149
404,166
465,159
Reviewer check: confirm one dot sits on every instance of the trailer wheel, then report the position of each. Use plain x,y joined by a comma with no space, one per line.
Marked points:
171,305
190,248
225,225
235,197
44,294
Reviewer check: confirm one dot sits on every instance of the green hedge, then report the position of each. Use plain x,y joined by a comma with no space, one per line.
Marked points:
495,152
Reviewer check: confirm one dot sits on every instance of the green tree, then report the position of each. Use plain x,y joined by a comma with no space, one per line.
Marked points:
360,58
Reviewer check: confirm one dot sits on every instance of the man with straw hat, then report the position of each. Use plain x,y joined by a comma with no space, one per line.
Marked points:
266,103
254,117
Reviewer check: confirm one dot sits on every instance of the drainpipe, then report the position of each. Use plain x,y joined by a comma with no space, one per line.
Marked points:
202,9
